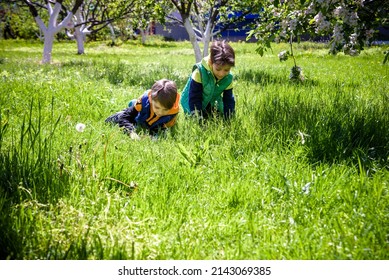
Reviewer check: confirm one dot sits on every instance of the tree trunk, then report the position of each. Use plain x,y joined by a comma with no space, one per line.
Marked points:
50,33
207,37
48,47
113,36
143,36
80,32
80,38
192,37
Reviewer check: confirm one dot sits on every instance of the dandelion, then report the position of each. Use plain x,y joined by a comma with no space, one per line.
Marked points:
80,127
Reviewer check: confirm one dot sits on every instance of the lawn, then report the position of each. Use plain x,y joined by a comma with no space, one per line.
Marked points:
301,172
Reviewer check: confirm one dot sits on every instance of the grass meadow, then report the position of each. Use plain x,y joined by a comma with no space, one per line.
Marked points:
301,172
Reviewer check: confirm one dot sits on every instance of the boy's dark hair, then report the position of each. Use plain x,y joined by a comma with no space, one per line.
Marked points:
222,53
165,92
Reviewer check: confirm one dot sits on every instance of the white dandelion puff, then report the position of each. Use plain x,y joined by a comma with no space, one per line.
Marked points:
80,127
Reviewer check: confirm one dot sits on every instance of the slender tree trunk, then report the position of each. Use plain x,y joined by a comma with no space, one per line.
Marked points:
79,34
143,36
192,37
207,38
113,36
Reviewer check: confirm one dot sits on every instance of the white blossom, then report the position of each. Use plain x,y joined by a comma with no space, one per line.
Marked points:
310,9
352,19
339,11
318,18
369,33
322,24
293,24
283,34
322,4
283,55
338,34
353,39
350,50
284,24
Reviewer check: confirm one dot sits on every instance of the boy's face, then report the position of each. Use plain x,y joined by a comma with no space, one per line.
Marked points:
158,109
220,71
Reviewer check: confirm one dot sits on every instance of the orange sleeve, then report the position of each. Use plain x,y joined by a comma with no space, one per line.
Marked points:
138,105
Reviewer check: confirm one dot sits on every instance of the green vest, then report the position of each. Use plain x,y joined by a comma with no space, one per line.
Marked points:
212,90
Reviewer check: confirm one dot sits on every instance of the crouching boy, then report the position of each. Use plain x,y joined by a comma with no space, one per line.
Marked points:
155,110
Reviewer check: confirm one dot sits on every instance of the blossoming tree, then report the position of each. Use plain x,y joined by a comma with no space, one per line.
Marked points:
200,17
94,15
350,24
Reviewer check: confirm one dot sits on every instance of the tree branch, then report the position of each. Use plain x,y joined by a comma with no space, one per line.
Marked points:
32,8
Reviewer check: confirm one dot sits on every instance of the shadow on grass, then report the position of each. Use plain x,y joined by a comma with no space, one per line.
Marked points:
77,64
159,45
259,77
360,137
30,179
336,130
26,184
264,77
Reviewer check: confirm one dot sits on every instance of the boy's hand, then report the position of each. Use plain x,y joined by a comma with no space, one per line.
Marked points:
198,116
134,136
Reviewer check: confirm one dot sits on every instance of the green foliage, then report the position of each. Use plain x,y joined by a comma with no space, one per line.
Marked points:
17,22
301,172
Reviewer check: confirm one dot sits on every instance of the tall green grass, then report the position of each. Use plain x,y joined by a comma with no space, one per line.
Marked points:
301,172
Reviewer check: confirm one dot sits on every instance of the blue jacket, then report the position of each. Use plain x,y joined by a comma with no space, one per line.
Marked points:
141,114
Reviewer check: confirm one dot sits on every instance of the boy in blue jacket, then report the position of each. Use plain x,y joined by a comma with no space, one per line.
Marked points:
209,88
155,110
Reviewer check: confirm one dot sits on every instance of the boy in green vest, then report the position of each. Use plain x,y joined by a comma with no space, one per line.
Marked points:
209,88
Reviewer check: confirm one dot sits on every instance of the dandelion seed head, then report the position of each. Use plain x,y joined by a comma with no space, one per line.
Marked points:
80,127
